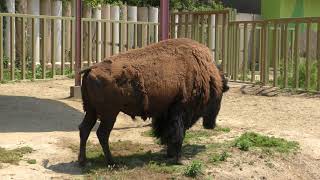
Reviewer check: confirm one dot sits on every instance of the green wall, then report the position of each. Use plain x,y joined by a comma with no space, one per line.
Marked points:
290,8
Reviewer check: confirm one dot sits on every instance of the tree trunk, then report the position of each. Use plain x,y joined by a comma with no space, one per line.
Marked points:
21,9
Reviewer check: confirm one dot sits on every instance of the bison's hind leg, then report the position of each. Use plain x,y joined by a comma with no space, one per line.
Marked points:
176,132
85,128
103,133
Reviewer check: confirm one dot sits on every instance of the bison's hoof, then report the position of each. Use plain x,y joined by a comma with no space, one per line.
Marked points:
82,161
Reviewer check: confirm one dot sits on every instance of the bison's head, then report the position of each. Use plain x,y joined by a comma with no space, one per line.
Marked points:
213,108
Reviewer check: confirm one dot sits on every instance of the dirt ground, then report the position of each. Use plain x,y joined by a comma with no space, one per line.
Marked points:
40,115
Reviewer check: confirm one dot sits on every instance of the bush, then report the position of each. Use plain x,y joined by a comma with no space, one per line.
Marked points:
194,169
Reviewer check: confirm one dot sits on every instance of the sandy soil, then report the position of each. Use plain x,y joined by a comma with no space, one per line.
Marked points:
40,115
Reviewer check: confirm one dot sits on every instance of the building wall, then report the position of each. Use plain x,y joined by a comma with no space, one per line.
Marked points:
289,8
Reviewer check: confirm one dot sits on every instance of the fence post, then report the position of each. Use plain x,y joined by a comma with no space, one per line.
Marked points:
57,11
115,16
254,50
105,14
275,55
132,17
245,52
285,56
142,28
1,48
296,56
318,55
308,63
153,18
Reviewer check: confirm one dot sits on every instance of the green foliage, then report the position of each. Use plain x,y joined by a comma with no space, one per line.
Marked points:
302,75
192,5
13,156
194,169
250,139
216,158
31,161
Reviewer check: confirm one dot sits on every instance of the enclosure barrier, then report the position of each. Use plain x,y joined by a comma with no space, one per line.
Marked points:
279,52
208,28
30,57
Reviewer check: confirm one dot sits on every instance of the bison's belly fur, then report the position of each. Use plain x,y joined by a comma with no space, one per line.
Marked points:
174,82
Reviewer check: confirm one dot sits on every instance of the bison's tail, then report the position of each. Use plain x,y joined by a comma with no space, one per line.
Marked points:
84,89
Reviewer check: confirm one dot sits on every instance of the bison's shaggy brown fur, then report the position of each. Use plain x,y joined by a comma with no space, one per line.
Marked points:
174,82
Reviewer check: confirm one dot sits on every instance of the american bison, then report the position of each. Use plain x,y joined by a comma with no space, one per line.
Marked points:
174,82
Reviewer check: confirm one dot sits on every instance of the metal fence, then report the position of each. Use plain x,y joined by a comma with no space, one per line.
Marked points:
40,47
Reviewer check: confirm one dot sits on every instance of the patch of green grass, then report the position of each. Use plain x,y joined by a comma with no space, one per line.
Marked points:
222,129
195,136
13,156
148,133
163,167
254,140
194,169
38,73
31,161
216,158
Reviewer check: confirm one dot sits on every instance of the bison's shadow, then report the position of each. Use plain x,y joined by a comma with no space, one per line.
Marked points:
131,161
30,114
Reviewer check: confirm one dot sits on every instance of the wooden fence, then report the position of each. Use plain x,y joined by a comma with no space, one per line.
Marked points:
272,52
279,52
38,59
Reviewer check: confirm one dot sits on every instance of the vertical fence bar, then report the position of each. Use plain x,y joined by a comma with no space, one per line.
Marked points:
54,49
196,28
135,36
285,56
73,44
275,54
23,58
233,51
229,50
308,63
173,25
209,32
98,50
265,54
13,49
1,48
202,30
89,44
224,39
129,29
237,51
63,48
44,48
216,46
245,52
318,54
253,53
179,35
296,56
122,31
33,44
186,26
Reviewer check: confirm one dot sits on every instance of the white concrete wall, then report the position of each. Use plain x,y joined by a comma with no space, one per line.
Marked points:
115,15
132,17
57,11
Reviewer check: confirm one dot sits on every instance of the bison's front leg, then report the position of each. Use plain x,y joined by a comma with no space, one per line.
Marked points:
85,128
176,135
103,134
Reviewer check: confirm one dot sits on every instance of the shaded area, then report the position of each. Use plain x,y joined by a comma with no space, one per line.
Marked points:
127,156
29,114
